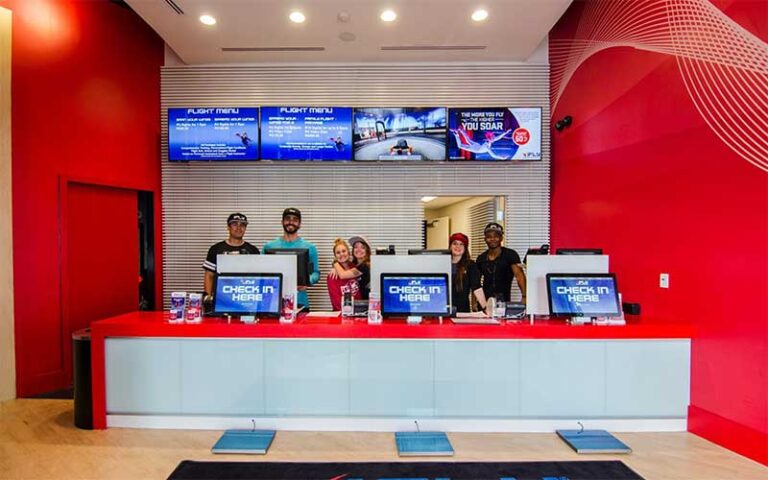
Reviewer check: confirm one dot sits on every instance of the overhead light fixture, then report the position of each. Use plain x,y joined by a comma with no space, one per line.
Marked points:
427,199
207,20
388,16
479,15
297,17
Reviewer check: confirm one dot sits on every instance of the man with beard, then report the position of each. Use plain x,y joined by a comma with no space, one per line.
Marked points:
291,239
233,245
498,265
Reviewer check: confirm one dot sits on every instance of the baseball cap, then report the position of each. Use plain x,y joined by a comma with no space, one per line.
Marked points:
292,211
237,217
358,238
494,227
460,237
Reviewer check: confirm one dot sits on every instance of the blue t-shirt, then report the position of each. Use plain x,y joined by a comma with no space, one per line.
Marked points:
314,275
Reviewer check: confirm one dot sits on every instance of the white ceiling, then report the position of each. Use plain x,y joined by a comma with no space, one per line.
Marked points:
441,202
512,32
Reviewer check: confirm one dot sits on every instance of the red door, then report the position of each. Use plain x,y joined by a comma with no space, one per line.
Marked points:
100,257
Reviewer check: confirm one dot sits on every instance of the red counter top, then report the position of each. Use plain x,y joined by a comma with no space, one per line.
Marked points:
154,324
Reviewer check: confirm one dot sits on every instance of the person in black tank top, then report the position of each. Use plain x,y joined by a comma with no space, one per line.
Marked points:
499,265
233,245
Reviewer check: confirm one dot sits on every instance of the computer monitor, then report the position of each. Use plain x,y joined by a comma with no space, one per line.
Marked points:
420,251
583,294
390,250
241,294
303,265
579,251
543,250
414,294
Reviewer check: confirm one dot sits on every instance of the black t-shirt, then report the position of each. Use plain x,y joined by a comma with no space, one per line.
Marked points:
460,295
364,281
226,249
497,274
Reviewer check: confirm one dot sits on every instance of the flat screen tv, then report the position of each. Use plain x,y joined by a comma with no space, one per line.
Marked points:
213,134
306,133
303,265
399,134
494,134
241,294
583,294
418,294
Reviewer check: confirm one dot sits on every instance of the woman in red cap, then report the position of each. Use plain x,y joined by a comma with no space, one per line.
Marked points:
465,275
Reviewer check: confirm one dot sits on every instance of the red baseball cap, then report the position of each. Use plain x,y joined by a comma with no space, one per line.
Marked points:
460,237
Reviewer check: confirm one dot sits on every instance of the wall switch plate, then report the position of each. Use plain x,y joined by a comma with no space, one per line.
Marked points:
664,280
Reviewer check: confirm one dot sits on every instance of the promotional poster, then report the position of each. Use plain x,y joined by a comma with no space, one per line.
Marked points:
248,294
400,134
414,295
213,134
583,296
306,133
494,134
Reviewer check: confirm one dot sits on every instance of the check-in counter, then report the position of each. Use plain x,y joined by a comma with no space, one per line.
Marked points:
329,373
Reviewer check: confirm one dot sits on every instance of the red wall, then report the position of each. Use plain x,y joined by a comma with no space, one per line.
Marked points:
86,103
640,174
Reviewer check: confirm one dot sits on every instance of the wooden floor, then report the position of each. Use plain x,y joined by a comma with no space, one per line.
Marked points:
38,440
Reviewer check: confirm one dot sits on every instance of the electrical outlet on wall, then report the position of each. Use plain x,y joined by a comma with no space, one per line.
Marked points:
664,280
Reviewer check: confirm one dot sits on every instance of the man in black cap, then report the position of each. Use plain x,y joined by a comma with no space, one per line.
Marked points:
291,239
233,245
498,265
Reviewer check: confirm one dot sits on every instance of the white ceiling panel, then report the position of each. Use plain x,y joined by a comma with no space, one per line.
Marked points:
344,31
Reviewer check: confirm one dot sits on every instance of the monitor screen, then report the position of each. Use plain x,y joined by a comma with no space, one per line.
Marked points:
303,267
399,134
306,133
213,134
421,251
248,293
494,134
579,251
414,294
583,294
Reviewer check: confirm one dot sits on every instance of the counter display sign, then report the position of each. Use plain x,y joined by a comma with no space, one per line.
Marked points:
213,134
494,134
583,295
248,294
414,294
306,133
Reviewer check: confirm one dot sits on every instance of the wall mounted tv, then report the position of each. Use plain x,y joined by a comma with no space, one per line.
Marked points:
399,134
306,133
494,134
213,134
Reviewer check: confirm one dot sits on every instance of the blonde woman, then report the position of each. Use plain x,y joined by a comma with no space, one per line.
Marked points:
361,270
336,284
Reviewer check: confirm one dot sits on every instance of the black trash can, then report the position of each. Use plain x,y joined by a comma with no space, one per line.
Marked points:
81,378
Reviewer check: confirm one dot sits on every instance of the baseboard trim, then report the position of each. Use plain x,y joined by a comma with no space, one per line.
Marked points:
367,424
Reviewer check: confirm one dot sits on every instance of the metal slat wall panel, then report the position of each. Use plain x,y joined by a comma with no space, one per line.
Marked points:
479,216
381,201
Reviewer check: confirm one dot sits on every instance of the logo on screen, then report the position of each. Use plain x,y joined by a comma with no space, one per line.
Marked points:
521,136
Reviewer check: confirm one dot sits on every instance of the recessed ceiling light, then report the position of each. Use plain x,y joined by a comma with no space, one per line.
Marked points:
207,20
479,15
427,199
388,16
297,17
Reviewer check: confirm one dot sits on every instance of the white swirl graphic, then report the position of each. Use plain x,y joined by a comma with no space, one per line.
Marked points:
723,66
